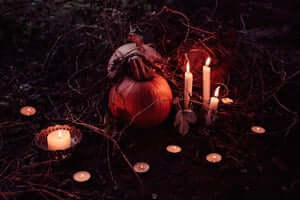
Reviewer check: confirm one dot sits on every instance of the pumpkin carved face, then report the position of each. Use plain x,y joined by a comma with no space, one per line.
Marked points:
146,103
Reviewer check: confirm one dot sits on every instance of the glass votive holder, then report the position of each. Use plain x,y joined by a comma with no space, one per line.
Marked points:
58,141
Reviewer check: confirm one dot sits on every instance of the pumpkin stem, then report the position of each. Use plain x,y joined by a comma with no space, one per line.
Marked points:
139,70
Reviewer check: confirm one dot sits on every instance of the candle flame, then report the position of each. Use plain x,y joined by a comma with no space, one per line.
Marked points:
188,66
207,61
217,90
59,134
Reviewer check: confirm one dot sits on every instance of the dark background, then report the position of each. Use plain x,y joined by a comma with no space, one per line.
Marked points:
53,55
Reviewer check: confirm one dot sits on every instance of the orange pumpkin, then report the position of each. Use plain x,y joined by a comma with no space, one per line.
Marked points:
146,103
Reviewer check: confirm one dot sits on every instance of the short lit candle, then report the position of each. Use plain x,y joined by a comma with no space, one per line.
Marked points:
213,106
258,129
59,140
173,149
188,85
227,100
206,83
214,101
28,111
141,167
213,157
81,176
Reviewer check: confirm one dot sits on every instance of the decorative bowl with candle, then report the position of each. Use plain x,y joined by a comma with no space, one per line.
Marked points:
59,140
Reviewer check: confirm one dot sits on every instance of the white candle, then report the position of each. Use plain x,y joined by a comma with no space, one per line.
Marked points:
206,83
258,129
188,85
214,101
59,140
173,149
213,157
213,106
81,176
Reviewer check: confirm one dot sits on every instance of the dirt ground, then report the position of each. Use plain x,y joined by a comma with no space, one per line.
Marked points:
53,55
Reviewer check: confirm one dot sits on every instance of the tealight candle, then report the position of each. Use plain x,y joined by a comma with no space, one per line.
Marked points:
81,176
59,140
206,83
213,157
173,149
28,111
227,100
188,85
258,129
141,167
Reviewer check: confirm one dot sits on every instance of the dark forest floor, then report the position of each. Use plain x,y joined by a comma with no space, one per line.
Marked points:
53,55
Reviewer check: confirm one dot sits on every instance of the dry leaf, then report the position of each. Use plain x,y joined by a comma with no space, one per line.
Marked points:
183,120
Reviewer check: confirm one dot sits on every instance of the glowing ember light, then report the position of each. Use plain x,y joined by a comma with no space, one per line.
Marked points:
28,111
173,149
141,167
207,62
217,91
213,157
227,100
258,129
81,176
188,66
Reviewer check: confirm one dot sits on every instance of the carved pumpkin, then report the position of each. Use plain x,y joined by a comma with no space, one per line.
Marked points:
148,101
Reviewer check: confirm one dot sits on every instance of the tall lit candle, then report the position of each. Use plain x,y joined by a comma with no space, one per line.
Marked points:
188,85
206,83
59,140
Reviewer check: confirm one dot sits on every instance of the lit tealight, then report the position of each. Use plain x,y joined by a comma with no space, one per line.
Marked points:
213,157
141,167
81,176
258,129
227,100
173,149
28,111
